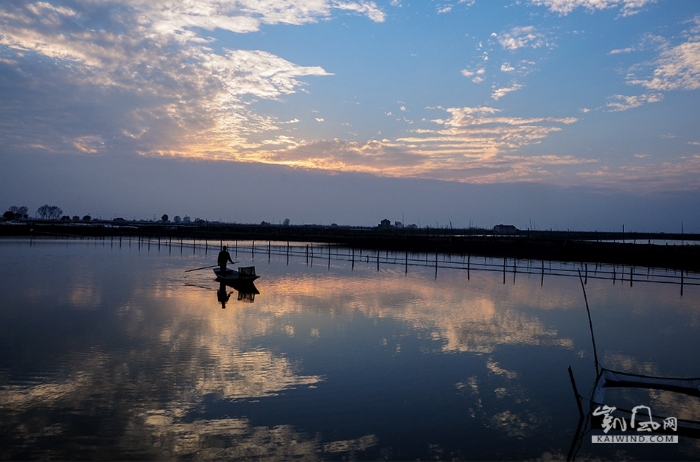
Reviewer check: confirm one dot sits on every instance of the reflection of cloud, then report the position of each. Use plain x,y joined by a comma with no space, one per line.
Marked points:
236,439
463,322
517,425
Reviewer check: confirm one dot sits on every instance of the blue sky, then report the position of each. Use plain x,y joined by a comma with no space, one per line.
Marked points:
575,113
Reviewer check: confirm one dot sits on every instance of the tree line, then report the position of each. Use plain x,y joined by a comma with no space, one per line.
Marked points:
52,212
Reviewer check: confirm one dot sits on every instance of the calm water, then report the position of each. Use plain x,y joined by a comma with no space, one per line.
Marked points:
113,351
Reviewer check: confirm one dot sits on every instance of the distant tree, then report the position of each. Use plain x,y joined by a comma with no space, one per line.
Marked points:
55,213
43,211
177,219
87,218
76,218
9,215
20,212
285,222
65,218
186,219
164,217
49,212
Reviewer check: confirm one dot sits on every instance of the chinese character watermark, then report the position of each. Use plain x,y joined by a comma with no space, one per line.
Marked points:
641,420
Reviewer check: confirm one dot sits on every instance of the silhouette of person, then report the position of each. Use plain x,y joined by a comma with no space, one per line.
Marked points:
224,256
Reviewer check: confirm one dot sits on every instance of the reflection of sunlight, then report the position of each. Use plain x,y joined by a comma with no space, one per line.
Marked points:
85,297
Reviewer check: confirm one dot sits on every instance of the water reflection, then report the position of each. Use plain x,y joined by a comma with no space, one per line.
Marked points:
246,291
129,360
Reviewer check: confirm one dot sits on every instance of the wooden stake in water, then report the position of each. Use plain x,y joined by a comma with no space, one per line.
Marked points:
590,322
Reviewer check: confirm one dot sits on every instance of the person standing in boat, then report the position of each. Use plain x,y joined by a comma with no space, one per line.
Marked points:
224,257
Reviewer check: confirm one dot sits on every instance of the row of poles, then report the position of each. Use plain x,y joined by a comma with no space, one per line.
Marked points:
312,251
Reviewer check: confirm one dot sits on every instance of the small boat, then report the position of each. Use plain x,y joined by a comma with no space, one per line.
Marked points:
684,386
244,273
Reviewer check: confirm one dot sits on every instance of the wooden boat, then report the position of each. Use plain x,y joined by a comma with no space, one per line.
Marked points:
615,379
244,273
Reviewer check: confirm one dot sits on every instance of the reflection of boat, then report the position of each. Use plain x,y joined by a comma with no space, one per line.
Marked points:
244,273
246,290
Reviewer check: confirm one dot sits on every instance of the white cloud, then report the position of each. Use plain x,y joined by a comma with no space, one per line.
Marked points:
472,144
619,103
521,37
621,50
564,7
585,110
90,144
319,119
368,9
499,93
185,96
476,74
676,68
506,67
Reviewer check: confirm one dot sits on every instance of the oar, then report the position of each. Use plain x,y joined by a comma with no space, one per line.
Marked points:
205,267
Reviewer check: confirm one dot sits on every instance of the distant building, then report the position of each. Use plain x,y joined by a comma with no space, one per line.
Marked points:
505,229
398,224
385,224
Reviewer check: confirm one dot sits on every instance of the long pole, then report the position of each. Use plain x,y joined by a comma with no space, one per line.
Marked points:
590,323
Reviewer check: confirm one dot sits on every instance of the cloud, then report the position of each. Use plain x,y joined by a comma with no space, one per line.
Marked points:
670,175
676,68
564,7
147,71
621,50
89,144
506,67
522,37
368,9
619,103
498,93
472,144
478,74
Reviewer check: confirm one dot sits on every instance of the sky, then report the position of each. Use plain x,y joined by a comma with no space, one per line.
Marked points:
561,114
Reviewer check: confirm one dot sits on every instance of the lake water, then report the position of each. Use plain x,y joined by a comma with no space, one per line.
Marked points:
110,350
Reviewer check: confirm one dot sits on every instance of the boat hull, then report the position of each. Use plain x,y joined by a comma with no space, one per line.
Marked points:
233,275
